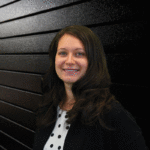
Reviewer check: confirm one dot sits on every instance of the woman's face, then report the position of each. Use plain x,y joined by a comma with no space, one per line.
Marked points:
70,61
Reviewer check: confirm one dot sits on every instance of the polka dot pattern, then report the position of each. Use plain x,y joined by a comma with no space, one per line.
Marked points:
59,133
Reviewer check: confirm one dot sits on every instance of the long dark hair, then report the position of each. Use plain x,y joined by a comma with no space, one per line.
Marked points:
91,92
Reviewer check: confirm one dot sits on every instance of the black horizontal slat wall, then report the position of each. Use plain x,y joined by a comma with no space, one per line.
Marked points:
26,31
25,81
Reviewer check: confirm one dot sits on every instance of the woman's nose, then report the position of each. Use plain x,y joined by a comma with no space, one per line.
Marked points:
70,58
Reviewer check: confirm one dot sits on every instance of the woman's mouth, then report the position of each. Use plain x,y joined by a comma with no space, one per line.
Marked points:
71,72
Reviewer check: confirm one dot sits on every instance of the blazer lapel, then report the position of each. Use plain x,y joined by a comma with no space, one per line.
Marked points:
43,136
75,137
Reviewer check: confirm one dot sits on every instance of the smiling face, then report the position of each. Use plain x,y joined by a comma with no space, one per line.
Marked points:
70,55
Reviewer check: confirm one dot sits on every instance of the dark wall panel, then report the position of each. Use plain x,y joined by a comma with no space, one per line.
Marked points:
19,80
25,63
27,44
20,98
123,38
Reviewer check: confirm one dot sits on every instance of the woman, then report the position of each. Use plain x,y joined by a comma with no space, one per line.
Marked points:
78,112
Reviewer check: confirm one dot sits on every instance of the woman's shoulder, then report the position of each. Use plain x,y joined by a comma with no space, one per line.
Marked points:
126,128
119,117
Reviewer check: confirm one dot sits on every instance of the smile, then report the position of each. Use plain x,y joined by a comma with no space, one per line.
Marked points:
71,72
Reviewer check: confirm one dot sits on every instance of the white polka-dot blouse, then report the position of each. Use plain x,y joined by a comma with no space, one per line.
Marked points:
59,133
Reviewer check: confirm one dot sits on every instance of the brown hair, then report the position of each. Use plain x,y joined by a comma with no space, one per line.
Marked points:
91,92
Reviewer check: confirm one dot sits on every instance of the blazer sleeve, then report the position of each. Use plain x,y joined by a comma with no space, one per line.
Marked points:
39,140
128,135
35,144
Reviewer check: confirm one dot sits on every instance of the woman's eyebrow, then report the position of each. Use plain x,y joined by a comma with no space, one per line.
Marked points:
74,49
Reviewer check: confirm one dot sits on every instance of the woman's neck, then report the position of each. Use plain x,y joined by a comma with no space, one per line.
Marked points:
67,105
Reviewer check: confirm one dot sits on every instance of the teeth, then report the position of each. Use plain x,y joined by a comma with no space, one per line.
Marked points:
72,70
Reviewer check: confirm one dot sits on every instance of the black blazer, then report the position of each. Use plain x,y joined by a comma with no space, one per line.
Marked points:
127,136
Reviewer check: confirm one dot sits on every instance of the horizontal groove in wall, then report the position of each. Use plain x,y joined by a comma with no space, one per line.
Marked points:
89,26
15,140
23,72
9,71
9,3
16,106
2,148
22,90
121,21
37,33
30,54
30,92
36,73
17,123
42,53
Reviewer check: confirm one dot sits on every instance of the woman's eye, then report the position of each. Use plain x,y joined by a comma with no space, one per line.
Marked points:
81,53
77,53
61,53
